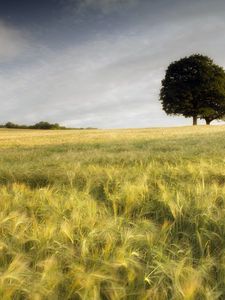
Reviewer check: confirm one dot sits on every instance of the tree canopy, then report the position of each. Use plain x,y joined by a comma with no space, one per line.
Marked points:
194,87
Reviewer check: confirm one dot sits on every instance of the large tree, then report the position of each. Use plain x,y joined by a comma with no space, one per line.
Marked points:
194,87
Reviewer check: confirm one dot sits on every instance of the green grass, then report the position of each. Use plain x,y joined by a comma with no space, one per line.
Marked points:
107,215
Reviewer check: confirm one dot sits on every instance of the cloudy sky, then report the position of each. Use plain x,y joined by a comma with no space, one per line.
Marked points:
99,62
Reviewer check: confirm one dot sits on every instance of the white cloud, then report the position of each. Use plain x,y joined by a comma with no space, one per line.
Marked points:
84,83
13,42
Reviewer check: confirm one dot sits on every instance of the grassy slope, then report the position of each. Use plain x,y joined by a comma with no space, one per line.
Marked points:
123,214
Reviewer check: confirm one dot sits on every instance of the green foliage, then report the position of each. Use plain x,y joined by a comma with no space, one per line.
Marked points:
40,125
112,215
45,125
194,87
15,126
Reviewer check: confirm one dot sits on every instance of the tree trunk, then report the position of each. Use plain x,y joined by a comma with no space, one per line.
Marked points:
207,121
195,119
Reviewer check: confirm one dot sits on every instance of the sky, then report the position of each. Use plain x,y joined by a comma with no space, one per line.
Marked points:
99,63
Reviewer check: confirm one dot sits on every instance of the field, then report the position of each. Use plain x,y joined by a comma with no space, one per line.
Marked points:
120,214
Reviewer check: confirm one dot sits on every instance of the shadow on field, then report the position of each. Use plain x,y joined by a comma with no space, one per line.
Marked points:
33,181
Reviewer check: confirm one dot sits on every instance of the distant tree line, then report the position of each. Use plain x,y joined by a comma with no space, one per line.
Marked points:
39,125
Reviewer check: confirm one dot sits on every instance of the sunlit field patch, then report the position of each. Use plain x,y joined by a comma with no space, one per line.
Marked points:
112,214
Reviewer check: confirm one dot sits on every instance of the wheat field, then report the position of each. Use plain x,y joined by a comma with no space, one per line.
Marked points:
112,214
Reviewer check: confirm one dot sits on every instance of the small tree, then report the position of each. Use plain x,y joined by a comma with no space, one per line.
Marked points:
11,125
194,87
45,125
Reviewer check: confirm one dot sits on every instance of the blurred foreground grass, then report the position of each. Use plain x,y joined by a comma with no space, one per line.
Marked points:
116,214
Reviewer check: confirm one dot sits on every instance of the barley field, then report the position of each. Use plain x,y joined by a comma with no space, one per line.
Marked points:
133,214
